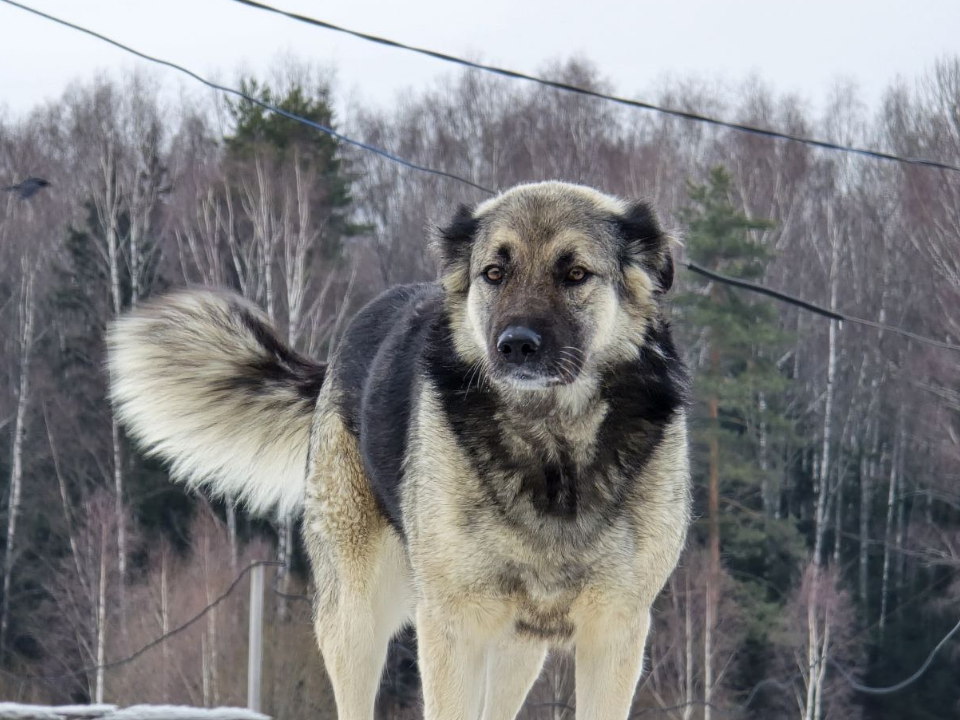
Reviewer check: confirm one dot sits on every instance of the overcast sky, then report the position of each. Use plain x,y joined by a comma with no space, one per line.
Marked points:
795,46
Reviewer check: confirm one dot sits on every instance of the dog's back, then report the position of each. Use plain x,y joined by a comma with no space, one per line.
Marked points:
373,378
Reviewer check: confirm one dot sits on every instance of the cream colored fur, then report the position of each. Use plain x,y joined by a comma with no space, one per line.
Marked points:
172,364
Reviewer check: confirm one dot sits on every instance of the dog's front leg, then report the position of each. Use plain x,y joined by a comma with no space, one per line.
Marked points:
452,658
609,663
512,668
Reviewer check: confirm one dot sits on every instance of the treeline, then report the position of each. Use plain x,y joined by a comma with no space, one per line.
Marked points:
826,456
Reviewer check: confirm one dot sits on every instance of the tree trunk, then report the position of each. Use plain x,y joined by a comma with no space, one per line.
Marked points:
713,574
821,670
213,663
101,618
19,433
118,490
767,490
164,622
823,472
813,642
688,641
67,514
824,489
838,513
109,212
888,532
232,533
866,499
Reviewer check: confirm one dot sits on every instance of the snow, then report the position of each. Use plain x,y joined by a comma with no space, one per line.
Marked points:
16,711
178,712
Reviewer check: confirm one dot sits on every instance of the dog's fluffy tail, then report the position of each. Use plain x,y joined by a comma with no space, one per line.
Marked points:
202,380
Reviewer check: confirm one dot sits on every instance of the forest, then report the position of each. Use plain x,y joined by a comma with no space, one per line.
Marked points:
823,560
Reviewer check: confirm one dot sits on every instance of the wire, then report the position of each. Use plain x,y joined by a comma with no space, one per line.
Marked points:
153,643
904,683
812,307
291,596
785,685
267,106
752,287
696,117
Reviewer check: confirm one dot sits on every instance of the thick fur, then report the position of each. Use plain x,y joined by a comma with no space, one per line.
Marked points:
503,507
201,380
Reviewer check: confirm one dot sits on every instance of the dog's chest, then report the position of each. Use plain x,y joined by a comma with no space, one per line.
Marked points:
541,597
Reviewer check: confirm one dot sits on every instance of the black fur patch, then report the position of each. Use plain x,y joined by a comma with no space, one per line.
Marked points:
644,242
456,239
553,630
281,367
641,396
378,363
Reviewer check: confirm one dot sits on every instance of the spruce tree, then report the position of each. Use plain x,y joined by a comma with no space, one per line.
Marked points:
739,420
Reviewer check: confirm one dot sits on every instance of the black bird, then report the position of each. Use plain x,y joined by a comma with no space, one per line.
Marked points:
28,188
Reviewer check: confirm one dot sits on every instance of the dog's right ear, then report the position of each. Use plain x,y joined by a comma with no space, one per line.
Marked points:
454,245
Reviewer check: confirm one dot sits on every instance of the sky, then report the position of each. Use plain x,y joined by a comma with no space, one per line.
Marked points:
801,47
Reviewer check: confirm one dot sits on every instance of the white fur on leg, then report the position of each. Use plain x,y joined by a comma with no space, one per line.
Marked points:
511,671
354,624
452,663
609,664
354,651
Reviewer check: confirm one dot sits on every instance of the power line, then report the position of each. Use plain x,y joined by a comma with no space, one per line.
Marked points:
784,297
890,689
814,308
785,685
267,106
153,643
686,115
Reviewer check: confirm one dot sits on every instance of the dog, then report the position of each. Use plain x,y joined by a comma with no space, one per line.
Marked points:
499,457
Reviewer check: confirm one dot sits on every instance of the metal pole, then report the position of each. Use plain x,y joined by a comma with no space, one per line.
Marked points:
255,652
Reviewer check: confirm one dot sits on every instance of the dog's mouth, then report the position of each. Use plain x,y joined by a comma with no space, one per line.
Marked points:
537,375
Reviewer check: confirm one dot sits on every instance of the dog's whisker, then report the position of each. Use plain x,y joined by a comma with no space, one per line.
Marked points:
567,368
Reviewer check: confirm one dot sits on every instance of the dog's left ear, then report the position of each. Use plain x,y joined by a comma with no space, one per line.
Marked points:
454,245
643,243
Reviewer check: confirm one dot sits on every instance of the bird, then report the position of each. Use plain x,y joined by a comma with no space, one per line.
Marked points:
28,188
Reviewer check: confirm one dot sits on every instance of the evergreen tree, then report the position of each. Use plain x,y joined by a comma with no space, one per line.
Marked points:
285,141
740,424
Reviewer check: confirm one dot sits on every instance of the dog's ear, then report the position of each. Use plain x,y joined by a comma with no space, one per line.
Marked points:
643,243
454,245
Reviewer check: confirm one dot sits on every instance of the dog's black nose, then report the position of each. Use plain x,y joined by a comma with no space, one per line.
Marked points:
517,344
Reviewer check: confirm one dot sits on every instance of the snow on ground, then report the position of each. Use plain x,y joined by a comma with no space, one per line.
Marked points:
16,711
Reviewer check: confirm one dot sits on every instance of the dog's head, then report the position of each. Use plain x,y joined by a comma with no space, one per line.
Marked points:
548,282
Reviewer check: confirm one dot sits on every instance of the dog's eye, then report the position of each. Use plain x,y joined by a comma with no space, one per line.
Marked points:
576,275
493,275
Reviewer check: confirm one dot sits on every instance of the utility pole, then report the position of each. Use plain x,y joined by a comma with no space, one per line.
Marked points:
255,651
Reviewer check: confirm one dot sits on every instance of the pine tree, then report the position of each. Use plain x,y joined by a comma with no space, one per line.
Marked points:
285,140
739,421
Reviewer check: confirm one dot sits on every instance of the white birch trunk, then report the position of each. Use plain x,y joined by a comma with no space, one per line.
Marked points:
25,342
888,532
824,473
108,211
101,619
688,641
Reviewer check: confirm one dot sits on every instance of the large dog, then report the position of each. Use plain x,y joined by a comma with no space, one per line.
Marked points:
500,457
